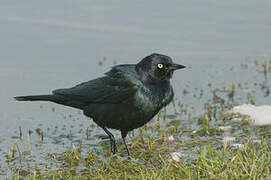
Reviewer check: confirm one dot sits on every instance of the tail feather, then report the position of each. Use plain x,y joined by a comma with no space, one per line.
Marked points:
59,99
36,98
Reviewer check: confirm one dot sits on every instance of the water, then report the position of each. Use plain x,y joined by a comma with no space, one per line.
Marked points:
47,45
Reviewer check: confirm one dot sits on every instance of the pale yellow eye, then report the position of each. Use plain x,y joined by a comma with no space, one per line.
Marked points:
160,66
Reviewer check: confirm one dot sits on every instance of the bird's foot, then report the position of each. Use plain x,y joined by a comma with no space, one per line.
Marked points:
113,146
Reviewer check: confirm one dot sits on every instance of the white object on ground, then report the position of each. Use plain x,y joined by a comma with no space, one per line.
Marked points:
225,128
175,156
238,146
258,115
228,139
171,138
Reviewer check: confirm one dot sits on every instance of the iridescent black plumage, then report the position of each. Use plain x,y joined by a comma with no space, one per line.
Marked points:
126,98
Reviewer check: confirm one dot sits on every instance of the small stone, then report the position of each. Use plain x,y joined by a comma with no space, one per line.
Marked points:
238,146
175,157
171,138
225,128
228,139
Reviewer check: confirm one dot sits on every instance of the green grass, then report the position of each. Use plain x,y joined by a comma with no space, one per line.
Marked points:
151,159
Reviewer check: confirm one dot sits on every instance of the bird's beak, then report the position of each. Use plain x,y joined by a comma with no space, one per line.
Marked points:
174,66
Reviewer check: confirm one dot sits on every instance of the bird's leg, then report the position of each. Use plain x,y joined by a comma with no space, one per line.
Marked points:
123,135
112,141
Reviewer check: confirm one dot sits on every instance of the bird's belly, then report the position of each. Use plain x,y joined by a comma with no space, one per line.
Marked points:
129,114
124,116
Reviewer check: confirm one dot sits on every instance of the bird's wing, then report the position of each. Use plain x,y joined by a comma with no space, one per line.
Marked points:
119,84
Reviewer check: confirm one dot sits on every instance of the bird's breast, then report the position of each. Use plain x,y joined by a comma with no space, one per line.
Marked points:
150,100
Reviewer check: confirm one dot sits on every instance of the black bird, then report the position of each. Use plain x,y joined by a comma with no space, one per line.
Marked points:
126,98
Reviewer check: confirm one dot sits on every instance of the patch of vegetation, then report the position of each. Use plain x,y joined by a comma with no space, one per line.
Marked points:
151,159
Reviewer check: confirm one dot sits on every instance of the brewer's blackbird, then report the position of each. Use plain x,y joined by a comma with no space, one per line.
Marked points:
126,98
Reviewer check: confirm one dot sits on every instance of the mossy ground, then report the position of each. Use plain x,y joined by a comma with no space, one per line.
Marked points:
151,159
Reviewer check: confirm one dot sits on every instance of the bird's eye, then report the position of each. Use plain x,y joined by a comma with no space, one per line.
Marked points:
160,66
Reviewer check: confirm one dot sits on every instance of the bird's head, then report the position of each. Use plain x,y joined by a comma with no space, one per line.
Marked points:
157,68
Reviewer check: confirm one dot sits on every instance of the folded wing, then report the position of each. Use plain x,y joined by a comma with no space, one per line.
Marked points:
120,83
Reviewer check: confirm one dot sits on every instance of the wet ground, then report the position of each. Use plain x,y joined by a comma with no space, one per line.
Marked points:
50,45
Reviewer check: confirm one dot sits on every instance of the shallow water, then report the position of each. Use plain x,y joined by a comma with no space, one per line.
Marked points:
54,44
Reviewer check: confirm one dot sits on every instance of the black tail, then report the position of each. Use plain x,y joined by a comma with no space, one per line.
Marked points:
36,98
59,99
